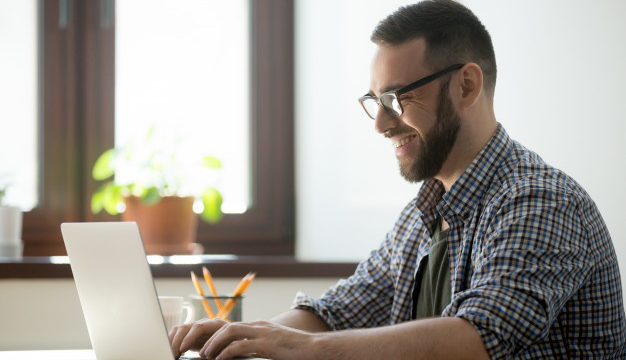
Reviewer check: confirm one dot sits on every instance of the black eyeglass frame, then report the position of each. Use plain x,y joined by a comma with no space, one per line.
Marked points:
412,86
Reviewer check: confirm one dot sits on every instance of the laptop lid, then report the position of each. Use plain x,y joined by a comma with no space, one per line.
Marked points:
116,291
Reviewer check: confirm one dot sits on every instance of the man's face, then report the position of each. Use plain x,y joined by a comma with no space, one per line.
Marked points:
426,132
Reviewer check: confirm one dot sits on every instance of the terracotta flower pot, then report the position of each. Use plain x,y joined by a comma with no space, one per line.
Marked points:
168,227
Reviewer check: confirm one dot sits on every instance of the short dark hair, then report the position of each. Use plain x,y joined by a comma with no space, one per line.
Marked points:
453,35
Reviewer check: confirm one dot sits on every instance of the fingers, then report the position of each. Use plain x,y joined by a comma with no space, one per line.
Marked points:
238,349
193,336
225,337
176,335
260,338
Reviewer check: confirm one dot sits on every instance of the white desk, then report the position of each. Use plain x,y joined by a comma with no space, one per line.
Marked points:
48,355
52,355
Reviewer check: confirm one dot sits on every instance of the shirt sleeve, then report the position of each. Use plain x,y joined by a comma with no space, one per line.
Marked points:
533,257
362,300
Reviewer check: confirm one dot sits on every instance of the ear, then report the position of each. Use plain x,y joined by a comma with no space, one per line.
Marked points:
470,84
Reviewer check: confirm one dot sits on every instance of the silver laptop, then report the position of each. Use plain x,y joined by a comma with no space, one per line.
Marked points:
116,291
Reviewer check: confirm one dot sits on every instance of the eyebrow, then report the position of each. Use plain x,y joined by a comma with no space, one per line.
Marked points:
386,89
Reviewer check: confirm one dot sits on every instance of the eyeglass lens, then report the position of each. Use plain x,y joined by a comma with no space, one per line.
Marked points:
371,107
392,104
389,101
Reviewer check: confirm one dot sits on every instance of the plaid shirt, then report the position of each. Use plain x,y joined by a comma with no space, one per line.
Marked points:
533,265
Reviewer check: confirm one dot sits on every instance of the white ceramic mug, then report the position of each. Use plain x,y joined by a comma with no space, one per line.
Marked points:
10,225
173,308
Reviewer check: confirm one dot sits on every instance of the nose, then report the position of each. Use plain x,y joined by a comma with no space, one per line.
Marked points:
384,121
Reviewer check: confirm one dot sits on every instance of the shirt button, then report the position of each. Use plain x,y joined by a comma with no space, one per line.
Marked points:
465,216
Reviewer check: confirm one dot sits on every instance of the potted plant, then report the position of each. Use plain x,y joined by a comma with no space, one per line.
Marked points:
159,185
10,227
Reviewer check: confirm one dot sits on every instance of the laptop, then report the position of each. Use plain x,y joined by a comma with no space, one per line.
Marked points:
116,291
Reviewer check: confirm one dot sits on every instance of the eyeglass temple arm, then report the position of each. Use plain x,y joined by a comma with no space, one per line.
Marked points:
430,78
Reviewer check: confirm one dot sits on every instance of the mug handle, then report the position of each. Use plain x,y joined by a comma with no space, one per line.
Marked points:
191,313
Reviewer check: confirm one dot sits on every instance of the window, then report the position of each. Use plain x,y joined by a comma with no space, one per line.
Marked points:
183,67
77,123
18,102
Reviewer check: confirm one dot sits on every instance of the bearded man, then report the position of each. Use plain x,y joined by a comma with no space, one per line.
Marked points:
499,256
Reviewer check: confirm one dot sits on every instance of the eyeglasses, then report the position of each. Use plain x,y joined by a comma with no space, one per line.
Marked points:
390,100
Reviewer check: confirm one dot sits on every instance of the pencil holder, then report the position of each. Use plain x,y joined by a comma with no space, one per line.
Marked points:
224,306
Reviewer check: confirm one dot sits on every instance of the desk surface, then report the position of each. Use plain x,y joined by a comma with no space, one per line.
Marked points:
52,355
48,355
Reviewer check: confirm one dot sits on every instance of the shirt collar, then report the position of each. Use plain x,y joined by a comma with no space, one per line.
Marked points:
468,189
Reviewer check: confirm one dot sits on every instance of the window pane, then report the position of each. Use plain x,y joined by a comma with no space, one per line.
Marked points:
18,101
184,67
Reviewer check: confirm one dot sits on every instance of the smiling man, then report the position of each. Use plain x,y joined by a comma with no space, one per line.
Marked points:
499,256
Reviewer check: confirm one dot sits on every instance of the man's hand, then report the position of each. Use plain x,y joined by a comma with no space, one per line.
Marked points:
193,336
259,339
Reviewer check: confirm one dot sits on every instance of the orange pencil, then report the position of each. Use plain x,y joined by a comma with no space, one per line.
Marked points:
209,281
205,303
241,288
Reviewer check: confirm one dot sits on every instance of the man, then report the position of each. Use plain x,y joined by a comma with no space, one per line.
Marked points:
499,256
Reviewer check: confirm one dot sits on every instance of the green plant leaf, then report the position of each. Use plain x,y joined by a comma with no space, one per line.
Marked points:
212,201
211,162
97,199
151,196
112,197
103,168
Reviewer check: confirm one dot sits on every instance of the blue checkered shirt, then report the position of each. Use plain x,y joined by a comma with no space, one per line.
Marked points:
533,265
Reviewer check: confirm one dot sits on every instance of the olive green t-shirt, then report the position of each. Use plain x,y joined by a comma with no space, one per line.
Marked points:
433,278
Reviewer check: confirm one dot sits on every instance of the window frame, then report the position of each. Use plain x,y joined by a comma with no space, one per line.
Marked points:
76,122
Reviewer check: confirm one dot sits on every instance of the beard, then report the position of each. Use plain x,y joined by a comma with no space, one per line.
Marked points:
432,149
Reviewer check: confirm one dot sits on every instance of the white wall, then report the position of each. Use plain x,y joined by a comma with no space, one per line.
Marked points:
46,314
560,92
348,188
